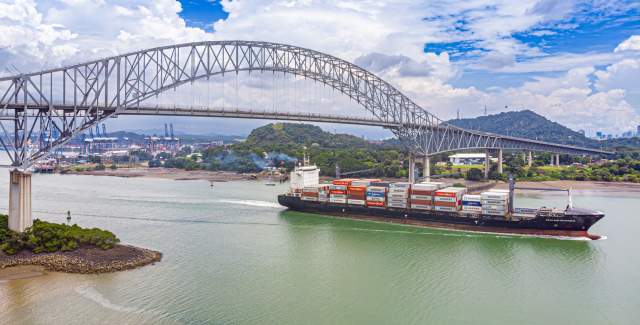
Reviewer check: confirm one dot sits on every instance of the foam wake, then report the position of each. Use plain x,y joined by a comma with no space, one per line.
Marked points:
253,203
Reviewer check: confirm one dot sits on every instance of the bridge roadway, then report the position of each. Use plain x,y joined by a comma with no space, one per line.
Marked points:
535,145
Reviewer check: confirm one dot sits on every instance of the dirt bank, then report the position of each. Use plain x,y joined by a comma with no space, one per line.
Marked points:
167,173
84,260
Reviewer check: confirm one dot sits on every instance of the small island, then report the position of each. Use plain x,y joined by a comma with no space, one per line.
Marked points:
70,249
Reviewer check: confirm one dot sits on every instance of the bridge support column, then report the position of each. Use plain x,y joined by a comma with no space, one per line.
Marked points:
19,200
412,168
426,165
487,162
529,159
558,160
499,161
553,157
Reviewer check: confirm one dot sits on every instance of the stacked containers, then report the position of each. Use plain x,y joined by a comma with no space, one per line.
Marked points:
495,203
422,195
472,203
338,190
448,199
398,195
310,193
376,196
356,194
323,192
364,182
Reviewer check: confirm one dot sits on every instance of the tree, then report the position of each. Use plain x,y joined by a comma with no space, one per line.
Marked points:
474,174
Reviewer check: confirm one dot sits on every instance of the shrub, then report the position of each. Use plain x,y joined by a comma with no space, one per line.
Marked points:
474,174
99,167
51,237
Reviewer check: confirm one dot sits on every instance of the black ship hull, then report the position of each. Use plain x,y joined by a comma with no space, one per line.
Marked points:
569,223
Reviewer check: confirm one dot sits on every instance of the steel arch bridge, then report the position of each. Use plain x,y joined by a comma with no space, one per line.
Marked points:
71,99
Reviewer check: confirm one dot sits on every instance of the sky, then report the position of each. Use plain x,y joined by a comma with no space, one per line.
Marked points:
575,62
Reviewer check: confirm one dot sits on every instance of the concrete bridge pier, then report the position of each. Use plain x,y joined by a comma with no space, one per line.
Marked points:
426,165
487,163
412,168
19,200
529,159
499,161
558,160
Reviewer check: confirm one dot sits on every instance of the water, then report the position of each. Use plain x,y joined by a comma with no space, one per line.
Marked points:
232,255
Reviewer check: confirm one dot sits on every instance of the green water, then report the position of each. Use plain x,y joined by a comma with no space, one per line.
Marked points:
232,255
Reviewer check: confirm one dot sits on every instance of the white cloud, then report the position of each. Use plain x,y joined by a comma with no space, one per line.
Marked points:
630,44
386,37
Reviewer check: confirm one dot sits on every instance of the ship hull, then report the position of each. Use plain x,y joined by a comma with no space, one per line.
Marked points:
573,224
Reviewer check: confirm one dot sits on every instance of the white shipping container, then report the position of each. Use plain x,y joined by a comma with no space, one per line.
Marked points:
400,185
444,199
421,207
446,209
378,189
422,197
357,202
323,199
471,197
495,202
495,196
471,208
309,198
494,207
338,196
375,199
337,200
494,212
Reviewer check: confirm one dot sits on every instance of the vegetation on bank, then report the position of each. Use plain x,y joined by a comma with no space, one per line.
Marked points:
49,237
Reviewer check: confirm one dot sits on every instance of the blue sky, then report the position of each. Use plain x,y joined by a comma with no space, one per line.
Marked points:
202,13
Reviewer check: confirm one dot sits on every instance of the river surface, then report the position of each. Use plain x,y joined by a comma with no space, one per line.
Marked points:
232,255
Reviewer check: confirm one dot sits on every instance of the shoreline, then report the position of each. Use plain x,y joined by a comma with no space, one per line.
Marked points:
84,260
225,176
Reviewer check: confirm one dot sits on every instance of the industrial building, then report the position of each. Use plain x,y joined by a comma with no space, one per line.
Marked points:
468,158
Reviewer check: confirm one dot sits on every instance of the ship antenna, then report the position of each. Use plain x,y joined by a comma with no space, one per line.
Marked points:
570,205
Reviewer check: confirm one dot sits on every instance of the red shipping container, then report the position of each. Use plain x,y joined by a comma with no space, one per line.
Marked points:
375,204
421,202
309,193
446,204
447,194
337,192
344,181
357,188
421,192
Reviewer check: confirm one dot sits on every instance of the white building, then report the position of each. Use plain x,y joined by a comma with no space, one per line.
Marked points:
467,158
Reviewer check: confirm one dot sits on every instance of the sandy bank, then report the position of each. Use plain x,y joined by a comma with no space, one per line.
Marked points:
167,173
82,260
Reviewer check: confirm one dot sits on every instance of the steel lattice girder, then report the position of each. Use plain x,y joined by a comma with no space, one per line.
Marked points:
71,99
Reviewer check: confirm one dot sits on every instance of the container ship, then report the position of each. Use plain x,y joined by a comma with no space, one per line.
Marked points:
432,204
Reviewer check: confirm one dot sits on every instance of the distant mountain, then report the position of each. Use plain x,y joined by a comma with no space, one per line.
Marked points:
527,124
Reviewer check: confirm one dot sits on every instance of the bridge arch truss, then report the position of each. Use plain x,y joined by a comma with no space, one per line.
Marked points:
60,103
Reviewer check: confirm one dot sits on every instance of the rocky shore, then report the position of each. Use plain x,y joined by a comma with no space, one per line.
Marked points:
85,259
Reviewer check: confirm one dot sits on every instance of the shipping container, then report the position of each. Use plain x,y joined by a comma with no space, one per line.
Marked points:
309,198
445,209
375,204
332,192
421,197
376,199
495,202
380,184
421,206
337,200
356,202
376,194
471,208
471,203
494,196
400,185
343,181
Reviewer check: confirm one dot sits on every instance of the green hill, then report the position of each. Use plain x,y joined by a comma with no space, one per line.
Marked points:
277,135
526,124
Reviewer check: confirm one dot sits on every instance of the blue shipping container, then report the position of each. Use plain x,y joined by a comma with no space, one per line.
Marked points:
375,194
471,203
